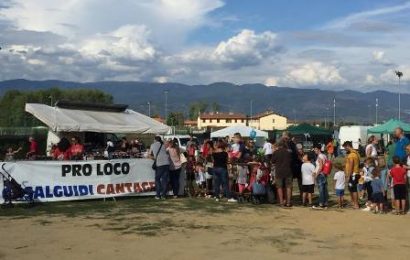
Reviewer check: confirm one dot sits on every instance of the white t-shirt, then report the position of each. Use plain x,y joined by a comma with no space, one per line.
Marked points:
340,180
267,148
308,171
321,157
408,164
372,149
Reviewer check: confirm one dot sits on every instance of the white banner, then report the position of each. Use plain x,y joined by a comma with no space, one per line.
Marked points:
75,180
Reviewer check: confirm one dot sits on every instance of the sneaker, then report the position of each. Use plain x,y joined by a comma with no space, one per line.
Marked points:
232,200
217,199
316,207
367,209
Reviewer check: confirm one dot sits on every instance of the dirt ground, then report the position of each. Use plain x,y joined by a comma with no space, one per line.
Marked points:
198,229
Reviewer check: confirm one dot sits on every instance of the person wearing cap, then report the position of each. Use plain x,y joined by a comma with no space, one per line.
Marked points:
321,179
352,172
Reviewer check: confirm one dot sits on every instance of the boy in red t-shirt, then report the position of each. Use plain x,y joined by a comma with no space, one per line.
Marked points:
399,175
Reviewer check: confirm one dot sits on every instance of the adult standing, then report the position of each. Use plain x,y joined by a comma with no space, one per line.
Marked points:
159,153
295,163
175,166
371,148
401,144
220,171
352,171
321,179
408,178
76,149
33,148
282,159
330,149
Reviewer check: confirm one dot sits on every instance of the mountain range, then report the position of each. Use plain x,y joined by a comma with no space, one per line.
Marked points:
295,103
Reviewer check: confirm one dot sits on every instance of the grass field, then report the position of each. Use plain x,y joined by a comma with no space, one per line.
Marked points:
137,228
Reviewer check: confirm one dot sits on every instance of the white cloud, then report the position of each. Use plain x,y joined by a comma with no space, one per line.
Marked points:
128,42
313,74
246,48
366,15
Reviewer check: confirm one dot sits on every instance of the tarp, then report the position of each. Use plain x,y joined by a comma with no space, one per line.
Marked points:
308,129
245,131
389,126
72,120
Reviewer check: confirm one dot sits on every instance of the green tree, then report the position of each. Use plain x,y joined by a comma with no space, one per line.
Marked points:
215,107
196,108
12,103
175,119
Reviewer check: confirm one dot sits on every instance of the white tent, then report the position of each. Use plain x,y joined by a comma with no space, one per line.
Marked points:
245,131
72,120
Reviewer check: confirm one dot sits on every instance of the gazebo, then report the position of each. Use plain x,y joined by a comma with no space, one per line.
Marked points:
389,127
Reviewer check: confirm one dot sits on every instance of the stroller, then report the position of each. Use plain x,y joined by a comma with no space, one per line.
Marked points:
13,190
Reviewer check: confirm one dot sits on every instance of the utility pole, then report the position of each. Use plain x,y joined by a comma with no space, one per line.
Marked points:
251,108
377,110
149,108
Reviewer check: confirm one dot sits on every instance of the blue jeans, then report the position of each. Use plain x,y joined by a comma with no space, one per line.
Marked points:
221,178
174,176
322,186
161,180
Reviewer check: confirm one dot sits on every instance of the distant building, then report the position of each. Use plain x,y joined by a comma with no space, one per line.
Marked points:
191,123
268,120
220,119
264,121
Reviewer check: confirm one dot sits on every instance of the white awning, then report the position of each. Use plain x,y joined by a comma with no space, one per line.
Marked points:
245,131
72,120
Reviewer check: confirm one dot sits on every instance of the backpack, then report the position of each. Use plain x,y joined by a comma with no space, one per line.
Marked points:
327,167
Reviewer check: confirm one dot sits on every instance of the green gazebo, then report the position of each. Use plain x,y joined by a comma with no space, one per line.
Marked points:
389,126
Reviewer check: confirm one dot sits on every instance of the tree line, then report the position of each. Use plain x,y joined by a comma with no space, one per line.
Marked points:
12,103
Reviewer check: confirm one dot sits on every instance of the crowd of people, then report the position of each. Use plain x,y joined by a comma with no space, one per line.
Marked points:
228,169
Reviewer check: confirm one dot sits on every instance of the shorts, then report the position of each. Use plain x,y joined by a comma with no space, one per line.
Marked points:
308,188
360,187
400,192
283,182
377,198
340,192
353,182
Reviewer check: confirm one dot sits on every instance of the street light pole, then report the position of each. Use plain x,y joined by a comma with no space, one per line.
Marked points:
334,112
399,74
149,108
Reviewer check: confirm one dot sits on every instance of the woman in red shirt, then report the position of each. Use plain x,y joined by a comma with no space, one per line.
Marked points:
399,174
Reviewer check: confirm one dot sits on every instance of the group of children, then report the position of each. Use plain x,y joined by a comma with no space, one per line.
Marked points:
372,182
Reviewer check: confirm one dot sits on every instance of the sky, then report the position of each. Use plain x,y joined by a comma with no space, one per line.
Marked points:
334,45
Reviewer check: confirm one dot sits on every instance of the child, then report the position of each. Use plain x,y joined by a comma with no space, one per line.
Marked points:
367,170
399,174
360,185
340,180
190,175
308,179
378,192
10,154
200,179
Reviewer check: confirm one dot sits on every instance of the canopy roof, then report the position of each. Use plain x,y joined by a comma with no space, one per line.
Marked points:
245,131
73,120
308,129
389,126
